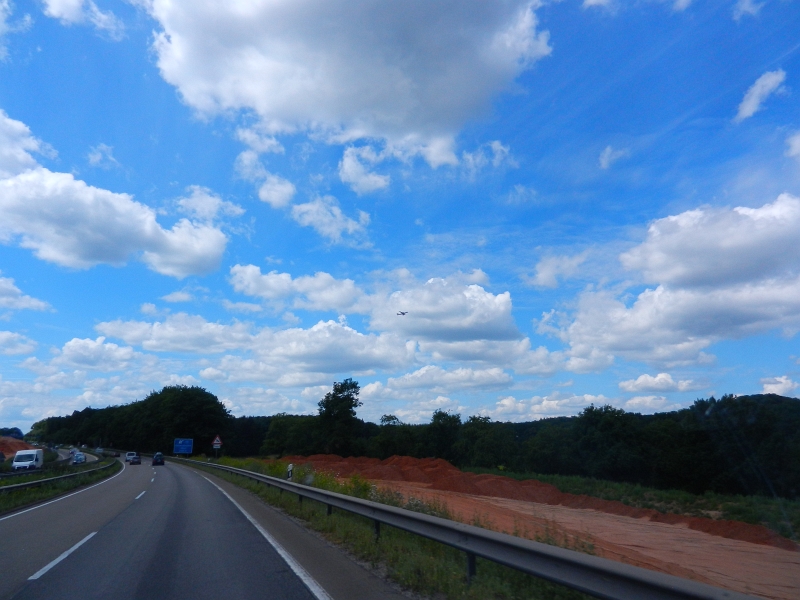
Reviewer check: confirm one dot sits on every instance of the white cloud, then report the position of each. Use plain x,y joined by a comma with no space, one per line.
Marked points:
712,247
650,404
601,3
11,297
324,215
681,5
746,7
353,172
540,407
204,205
551,268
276,191
94,355
793,145
662,382
474,162
75,12
6,9
408,74
180,333
766,85
720,274
783,386
102,156
258,141
67,222
441,381
15,343
318,292
446,309
609,156
178,296
244,307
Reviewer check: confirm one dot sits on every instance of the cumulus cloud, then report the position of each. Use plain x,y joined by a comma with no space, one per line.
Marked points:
662,382
783,386
446,309
77,12
408,74
320,291
11,297
206,206
94,355
273,189
353,172
6,10
766,85
552,268
178,296
719,274
540,407
15,343
441,381
324,215
650,404
609,156
67,222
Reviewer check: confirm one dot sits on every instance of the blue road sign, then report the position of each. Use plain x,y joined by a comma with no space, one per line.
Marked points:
183,446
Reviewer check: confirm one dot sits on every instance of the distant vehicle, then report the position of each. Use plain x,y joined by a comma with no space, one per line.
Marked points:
158,459
116,454
79,458
72,451
28,459
129,456
98,450
136,460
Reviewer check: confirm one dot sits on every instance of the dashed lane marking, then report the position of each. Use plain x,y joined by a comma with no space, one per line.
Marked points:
64,555
140,495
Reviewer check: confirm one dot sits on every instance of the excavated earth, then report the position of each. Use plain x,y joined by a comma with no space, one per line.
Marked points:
738,556
9,446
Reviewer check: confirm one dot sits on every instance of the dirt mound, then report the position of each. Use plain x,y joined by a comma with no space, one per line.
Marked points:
9,446
440,475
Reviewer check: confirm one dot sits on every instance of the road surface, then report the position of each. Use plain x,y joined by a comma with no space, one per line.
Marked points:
170,532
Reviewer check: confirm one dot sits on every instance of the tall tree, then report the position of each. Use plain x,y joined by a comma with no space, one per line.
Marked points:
337,417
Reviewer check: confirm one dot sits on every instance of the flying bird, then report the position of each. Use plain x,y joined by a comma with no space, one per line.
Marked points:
402,312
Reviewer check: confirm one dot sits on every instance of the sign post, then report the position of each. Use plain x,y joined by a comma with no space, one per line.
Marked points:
183,446
217,444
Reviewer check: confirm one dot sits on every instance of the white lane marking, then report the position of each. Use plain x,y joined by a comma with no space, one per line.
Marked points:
22,512
152,480
309,581
64,555
139,496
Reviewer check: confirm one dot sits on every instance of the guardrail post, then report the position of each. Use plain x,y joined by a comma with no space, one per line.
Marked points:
470,567
330,510
377,530
299,499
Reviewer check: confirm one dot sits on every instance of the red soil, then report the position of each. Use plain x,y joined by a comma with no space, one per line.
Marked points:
441,475
10,445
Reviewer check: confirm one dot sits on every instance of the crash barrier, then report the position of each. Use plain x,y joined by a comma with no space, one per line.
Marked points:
28,484
592,575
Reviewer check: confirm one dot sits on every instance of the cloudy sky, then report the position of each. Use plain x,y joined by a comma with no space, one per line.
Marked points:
574,203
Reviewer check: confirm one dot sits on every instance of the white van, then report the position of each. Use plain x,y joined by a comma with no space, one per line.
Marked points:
28,459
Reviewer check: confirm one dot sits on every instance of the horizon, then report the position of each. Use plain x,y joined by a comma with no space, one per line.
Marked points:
515,209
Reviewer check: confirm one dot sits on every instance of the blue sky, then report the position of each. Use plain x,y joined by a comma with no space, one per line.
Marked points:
574,203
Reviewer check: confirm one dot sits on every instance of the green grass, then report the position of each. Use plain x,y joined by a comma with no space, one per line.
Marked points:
52,471
778,514
417,564
12,500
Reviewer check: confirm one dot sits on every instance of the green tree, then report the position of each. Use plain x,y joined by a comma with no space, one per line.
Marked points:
337,417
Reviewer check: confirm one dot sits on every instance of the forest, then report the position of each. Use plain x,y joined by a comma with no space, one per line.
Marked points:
735,444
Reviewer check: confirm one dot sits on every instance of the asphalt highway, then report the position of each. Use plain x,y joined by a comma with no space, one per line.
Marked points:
170,532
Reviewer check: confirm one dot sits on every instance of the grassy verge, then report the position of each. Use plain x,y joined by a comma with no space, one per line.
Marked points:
778,514
417,564
12,500
53,471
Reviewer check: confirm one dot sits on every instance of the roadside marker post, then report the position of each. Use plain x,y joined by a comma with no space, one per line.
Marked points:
217,444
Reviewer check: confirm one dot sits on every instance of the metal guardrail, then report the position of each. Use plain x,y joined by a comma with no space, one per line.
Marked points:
592,575
27,484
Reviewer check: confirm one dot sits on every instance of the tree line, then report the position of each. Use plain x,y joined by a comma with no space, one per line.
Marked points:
737,445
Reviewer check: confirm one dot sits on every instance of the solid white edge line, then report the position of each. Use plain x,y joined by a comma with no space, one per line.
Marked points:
140,495
64,555
310,582
22,512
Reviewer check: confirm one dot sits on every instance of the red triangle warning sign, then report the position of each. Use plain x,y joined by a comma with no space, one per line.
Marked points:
217,441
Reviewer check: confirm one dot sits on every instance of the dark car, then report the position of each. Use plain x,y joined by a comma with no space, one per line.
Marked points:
158,459
135,460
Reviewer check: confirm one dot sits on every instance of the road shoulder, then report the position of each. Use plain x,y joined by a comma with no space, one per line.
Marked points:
338,574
